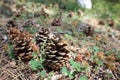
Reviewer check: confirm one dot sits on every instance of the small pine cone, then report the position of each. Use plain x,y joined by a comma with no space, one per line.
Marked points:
56,22
102,22
56,52
29,23
111,22
71,13
89,31
12,23
80,13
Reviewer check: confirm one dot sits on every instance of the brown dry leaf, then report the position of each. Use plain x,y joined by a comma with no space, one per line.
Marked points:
75,23
88,53
111,57
57,77
79,57
5,46
111,65
97,38
35,48
81,50
13,64
3,76
101,55
85,63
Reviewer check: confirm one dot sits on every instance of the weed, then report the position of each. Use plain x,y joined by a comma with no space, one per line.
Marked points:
35,65
96,49
76,69
43,73
83,77
31,29
10,51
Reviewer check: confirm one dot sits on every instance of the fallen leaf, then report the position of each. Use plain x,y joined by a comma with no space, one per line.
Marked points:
79,58
97,38
88,53
85,63
75,23
110,58
35,48
5,47
111,65
13,63
101,55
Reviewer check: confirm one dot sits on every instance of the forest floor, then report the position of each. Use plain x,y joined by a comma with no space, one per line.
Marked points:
94,43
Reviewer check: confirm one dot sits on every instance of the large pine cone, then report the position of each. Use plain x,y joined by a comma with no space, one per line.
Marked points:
21,42
56,54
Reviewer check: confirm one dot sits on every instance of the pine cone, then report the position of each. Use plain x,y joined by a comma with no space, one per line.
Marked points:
56,22
56,53
111,22
29,22
12,23
71,13
22,48
89,31
21,42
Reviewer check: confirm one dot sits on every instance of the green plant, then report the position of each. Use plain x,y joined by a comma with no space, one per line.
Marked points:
31,29
43,73
68,36
83,77
36,64
68,4
59,29
68,73
109,76
51,74
118,57
96,49
76,66
84,41
10,51
76,69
